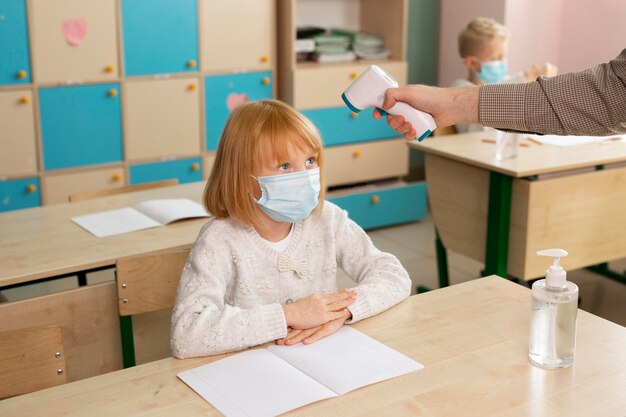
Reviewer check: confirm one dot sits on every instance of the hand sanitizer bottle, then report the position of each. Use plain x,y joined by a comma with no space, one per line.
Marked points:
553,326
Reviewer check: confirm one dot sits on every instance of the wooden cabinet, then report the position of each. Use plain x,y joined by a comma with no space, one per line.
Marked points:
14,51
19,194
207,166
80,125
58,187
185,170
18,155
160,36
74,40
222,93
237,35
161,118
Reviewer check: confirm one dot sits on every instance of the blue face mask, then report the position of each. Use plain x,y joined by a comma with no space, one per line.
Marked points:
290,197
493,71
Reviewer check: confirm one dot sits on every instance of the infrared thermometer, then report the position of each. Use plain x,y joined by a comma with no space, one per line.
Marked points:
368,90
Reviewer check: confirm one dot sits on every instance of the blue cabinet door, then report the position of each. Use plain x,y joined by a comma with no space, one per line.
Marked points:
224,92
160,36
14,60
340,126
80,125
185,170
385,207
19,194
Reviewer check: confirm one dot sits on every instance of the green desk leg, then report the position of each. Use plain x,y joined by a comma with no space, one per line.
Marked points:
442,265
498,220
128,342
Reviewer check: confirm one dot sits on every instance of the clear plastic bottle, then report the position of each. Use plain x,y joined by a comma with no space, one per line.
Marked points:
554,310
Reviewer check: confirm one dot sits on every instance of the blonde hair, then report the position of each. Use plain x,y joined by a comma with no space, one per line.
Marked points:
255,131
477,32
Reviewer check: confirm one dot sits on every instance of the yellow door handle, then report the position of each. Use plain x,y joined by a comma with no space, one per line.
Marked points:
117,177
375,199
265,80
195,166
21,74
31,188
353,75
112,92
354,115
265,58
191,87
109,69
191,63
356,154
25,100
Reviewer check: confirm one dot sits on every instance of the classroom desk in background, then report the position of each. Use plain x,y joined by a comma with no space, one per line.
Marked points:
501,212
43,242
472,339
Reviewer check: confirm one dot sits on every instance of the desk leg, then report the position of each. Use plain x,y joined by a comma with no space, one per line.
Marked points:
442,265
498,220
128,342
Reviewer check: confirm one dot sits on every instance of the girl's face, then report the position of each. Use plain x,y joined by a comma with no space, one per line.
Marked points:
296,160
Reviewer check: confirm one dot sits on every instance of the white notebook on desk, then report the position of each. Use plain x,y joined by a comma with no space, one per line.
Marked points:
272,381
145,215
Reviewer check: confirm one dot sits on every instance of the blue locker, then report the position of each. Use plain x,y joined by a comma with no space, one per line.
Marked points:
339,126
80,125
223,92
19,194
14,51
186,170
160,36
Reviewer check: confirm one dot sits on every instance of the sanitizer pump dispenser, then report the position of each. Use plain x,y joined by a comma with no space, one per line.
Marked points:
368,90
553,326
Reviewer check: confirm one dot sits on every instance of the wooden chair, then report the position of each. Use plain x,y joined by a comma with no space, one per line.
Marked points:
145,284
88,195
31,359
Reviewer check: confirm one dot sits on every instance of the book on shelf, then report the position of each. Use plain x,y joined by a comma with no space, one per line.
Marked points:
272,381
145,215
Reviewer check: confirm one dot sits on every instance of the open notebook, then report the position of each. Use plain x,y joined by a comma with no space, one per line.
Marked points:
151,213
272,381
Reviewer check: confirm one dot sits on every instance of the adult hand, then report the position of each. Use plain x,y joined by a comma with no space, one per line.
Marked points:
315,310
308,336
448,106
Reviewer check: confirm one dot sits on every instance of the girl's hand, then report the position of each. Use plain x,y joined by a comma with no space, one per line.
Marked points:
316,310
308,336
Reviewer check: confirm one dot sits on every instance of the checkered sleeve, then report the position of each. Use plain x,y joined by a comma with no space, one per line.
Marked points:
589,102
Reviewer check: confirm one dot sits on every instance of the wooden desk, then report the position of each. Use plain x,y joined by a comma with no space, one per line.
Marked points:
501,212
43,242
472,339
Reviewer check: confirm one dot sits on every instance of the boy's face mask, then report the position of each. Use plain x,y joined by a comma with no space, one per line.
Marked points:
290,197
493,71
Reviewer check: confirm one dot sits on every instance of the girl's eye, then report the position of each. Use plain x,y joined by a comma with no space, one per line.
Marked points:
310,161
284,167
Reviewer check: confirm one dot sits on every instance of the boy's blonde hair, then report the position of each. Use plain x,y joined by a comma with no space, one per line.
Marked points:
477,32
254,132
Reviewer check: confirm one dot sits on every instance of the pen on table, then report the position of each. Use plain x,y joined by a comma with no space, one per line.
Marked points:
488,140
611,140
534,141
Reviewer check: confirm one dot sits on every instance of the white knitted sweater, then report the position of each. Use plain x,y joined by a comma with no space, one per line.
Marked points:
233,285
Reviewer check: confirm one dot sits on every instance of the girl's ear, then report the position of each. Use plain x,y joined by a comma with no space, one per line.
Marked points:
472,63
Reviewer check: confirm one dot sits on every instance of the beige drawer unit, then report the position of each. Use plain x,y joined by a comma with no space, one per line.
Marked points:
161,118
18,155
318,86
237,35
365,162
74,40
56,188
209,161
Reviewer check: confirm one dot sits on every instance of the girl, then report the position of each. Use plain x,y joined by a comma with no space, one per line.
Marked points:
264,268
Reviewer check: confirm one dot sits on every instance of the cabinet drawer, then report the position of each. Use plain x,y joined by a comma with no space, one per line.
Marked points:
14,52
161,118
19,194
160,36
57,188
80,125
339,126
185,170
384,206
318,86
17,134
209,161
364,162
225,92
62,52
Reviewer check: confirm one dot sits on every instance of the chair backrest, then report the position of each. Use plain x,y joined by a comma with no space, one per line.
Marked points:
31,359
442,131
88,195
148,283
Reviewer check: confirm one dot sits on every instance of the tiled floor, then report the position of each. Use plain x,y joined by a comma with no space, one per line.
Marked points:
413,244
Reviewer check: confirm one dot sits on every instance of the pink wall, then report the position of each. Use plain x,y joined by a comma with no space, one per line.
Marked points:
572,34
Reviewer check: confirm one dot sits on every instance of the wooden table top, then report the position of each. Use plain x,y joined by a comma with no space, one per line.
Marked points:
532,160
472,339
41,242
